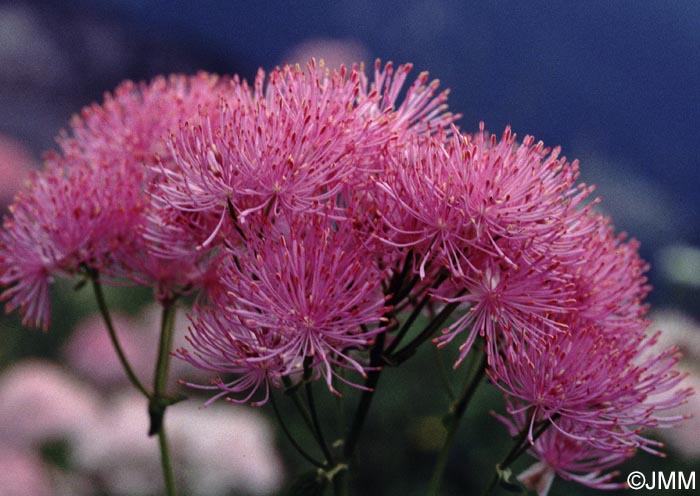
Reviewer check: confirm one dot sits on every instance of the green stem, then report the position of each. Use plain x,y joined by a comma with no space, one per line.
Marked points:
407,351
519,447
158,401
314,419
292,391
492,484
165,463
104,311
341,484
289,436
454,417
164,345
375,361
443,374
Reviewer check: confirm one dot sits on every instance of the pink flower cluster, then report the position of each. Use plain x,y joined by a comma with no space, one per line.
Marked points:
87,209
311,208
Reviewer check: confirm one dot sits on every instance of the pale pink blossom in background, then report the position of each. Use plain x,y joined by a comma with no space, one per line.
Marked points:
16,162
683,331
138,336
226,448
100,365
40,401
334,52
214,450
22,472
115,446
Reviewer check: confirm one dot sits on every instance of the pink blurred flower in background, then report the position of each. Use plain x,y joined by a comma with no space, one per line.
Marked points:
138,335
100,365
40,401
23,472
16,163
117,450
683,331
333,51
216,449
226,449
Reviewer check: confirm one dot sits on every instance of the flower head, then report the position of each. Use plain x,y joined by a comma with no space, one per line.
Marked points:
452,200
592,385
569,458
296,141
297,300
72,216
86,209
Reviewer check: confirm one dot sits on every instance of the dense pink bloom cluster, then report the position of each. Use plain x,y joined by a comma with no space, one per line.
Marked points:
556,294
304,298
313,207
87,209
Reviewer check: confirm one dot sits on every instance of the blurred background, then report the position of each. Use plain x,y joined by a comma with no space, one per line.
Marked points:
616,84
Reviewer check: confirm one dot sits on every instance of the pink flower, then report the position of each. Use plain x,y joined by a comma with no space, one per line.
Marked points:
592,385
114,446
451,200
606,273
504,301
570,459
420,112
39,401
683,437
287,146
226,449
86,209
132,127
23,472
72,216
293,142
292,300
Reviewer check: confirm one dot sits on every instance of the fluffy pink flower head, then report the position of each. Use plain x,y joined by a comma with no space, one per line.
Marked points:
132,126
503,300
71,216
603,384
131,123
293,142
452,199
606,273
422,110
569,458
293,301
85,210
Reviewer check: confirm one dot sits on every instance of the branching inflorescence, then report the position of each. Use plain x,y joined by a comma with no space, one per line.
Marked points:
314,211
